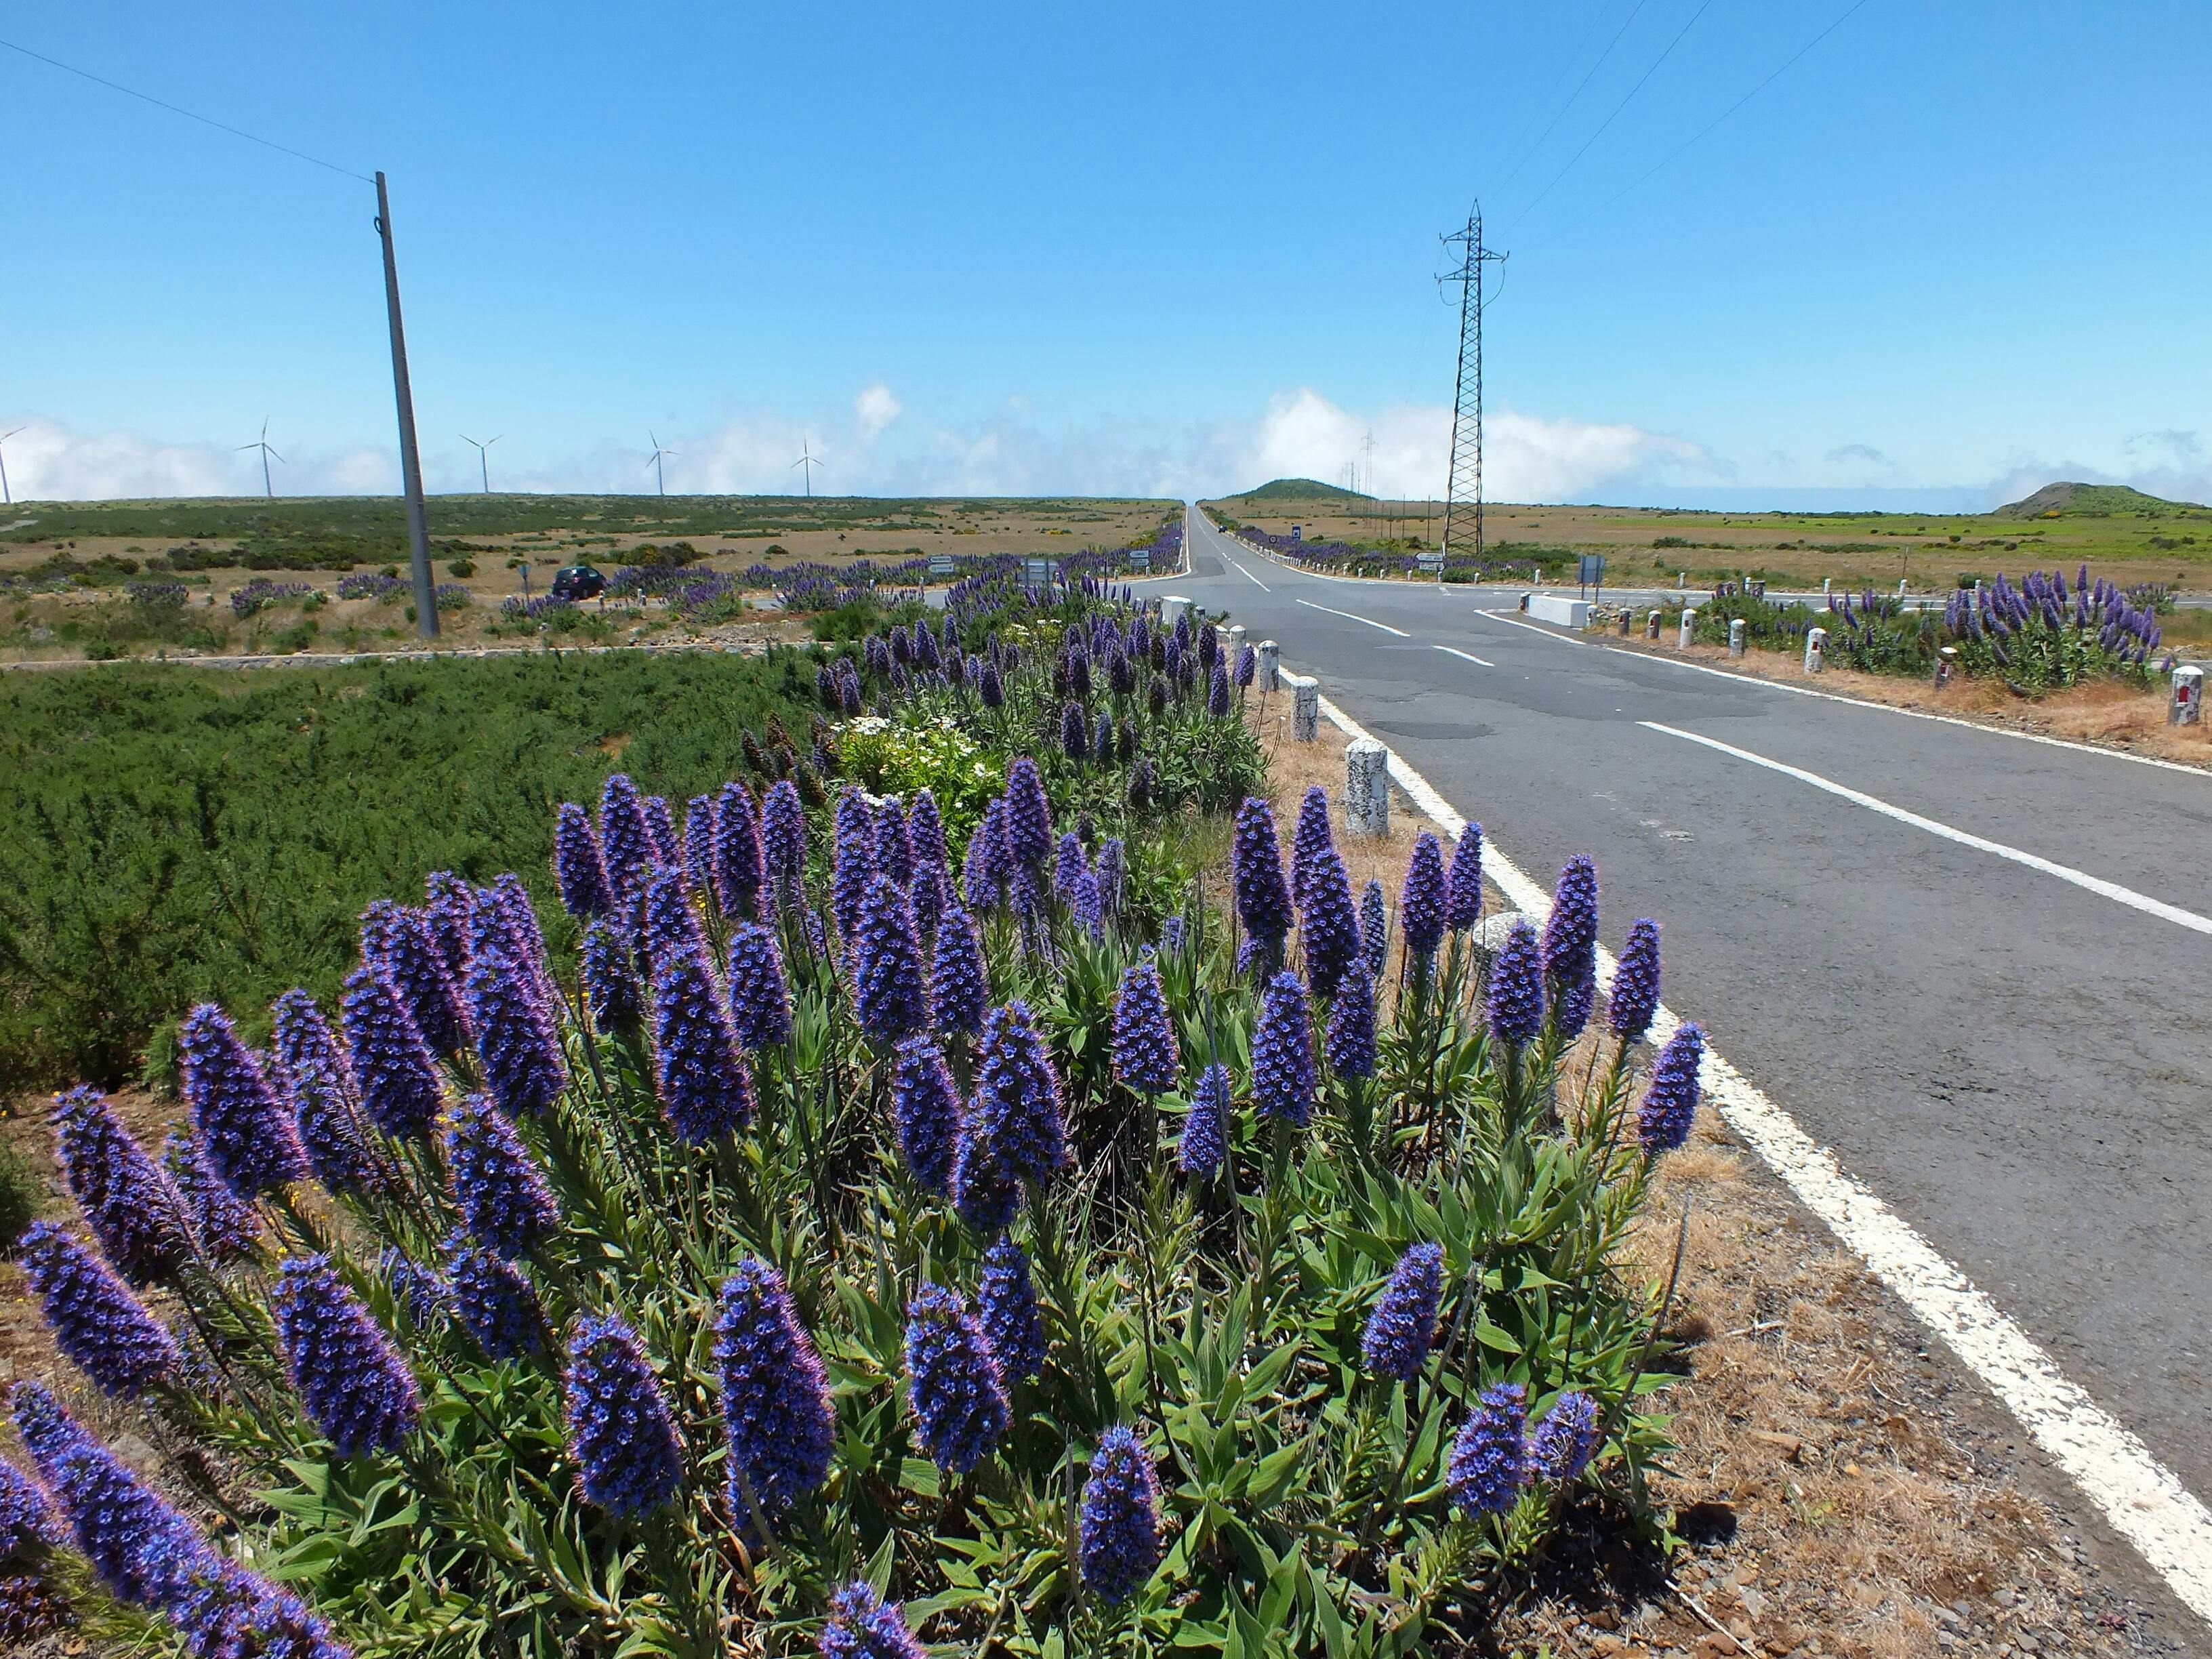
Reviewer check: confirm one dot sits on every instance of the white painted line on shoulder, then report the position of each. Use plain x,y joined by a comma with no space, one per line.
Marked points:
1765,684
2144,1500
2082,878
1468,655
1348,617
1247,574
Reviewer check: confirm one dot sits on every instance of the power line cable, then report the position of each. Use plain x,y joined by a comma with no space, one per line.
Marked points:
1577,92
1705,6
190,115
1675,154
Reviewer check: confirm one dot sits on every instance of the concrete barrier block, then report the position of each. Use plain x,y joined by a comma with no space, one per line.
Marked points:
1689,628
1366,786
1269,673
1816,650
1173,609
1305,705
2187,707
1737,633
1559,609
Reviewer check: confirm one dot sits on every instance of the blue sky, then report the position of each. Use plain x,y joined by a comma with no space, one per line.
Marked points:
1156,248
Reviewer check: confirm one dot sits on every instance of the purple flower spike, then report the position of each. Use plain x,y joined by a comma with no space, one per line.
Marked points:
1075,733
739,870
1566,1440
660,833
854,866
783,839
1670,1105
132,1208
1515,1009
452,902
326,1101
983,874
493,1300
1006,1307
926,1106
580,870
353,1382
889,992
862,1626
1247,666
1069,861
958,987
1489,1459
1569,947
104,1329
1028,814
760,1001
497,1186
523,1065
620,1428
1217,692
609,971
250,1137
1263,901
1374,928
1570,1011
626,843
1463,892
398,942
670,927
776,1395
1328,928
700,1074
924,833
227,1228
1395,1344
1086,906
1016,1113
1282,1053
1310,838
1635,997
1146,1057
1118,1529
954,1384
399,1080
1349,1042
1205,1143
699,845
1422,899
894,850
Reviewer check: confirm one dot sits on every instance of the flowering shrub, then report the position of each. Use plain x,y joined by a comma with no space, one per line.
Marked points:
372,585
260,593
862,1245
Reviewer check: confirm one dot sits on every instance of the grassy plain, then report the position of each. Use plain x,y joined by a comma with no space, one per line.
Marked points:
2130,541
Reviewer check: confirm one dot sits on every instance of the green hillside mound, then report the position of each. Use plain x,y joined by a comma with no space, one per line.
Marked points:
1301,490
2087,501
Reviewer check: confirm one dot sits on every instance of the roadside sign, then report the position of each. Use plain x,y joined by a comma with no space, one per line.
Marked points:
1297,532
941,564
1428,561
1036,573
1593,569
1140,558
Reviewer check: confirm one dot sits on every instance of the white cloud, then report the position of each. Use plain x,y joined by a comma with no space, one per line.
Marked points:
48,461
875,409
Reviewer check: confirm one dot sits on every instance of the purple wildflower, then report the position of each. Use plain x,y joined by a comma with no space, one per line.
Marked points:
894,850
776,1395
493,1300
226,1227
626,842
1571,1009
1422,900
740,872
956,1386
699,844
398,941
660,833
926,1106
1566,1440
132,1208
1146,1058
1247,666
1635,997
1205,1143
1086,906
397,1079
1217,692
1329,929
669,926
854,864
958,987
1349,1043
620,1428
1069,861
1282,1053
104,1329
1515,1008
580,870
1489,1458
760,1001
1006,1307
783,839
983,874
353,1382
1569,947
889,992
863,1626
1028,814
1310,838
609,973
1119,1522
700,1074
1670,1104
497,1186
1263,901
1113,872
250,1137
1075,733
1395,1343
1374,928
523,1065
1016,1113
1463,890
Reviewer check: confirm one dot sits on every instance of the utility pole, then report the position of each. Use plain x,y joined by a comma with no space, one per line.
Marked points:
1463,488
410,458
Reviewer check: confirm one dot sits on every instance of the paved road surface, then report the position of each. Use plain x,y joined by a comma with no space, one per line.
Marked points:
2023,1067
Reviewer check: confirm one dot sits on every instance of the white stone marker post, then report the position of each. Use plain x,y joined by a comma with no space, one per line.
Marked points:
1689,626
1735,637
1651,624
1269,674
1173,609
1305,706
2187,707
1816,650
1367,787
1233,642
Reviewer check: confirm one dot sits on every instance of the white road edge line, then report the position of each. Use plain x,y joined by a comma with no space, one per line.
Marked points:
2145,1501
2082,878
1246,575
1859,702
1469,655
1348,617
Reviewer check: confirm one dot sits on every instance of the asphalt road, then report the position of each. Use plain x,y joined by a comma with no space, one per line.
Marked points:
2021,1065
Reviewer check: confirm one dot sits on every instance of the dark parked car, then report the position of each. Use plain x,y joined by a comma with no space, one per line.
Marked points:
578,581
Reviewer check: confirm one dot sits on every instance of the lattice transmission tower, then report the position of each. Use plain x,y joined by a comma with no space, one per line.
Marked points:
1463,489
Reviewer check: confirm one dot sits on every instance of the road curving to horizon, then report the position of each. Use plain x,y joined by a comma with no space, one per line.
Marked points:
1972,967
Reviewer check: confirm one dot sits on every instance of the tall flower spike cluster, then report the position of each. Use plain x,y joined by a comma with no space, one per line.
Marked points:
1328,925
1119,1522
316,1078
1282,1053
1571,930
1489,1461
890,991
621,1432
776,1395
609,973
1566,1440
760,998
228,1228
1263,899
699,845
250,1137
958,988
740,871
1349,1043
1515,1007
1311,837
926,1106
1422,900
863,1626
503,1196
1006,1307
1205,1143
1028,813
1395,1344
1635,1000
132,1208
955,1385
703,1086
516,1039
397,1079
580,870
104,1329
1013,1130
853,863
1463,890
397,942
783,840
492,1300
1670,1104
627,846
1146,1058
1374,928
355,1386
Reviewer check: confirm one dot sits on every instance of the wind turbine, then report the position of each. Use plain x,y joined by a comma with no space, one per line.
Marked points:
810,460
6,494
484,464
262,444
659,455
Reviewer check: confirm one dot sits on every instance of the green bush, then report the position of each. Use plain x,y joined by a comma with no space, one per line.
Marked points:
462,569
22,1194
